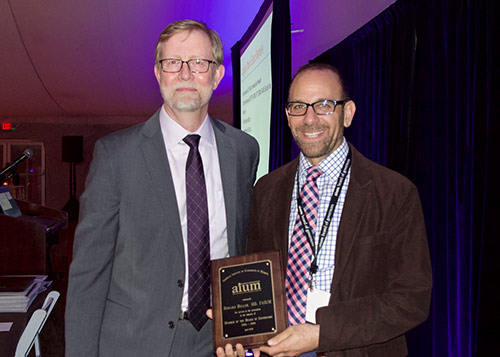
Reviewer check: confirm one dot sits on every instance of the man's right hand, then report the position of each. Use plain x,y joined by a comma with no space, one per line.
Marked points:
228,351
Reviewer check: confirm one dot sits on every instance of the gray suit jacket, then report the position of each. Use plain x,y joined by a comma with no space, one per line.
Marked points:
126,278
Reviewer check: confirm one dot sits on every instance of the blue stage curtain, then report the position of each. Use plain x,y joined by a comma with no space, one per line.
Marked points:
280,139
421,74
236,65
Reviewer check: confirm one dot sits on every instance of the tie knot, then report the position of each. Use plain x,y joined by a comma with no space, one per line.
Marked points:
313,173
192,140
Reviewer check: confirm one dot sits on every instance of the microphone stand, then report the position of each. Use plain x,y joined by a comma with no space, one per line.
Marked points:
72,206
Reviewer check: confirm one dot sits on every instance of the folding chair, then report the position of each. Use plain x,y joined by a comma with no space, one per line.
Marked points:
34,326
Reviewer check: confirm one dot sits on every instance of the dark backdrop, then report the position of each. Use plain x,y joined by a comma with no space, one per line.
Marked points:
423,77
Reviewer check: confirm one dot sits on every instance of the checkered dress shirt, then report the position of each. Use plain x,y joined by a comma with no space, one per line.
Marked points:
331,166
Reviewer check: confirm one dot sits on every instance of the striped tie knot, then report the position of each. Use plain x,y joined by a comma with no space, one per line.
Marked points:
313,173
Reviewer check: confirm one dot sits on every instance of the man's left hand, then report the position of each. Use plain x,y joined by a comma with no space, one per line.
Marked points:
294,341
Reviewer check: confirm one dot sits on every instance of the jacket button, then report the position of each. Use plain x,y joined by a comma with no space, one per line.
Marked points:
180,284
171,324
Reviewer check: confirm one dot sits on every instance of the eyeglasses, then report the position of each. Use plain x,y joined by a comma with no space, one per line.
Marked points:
321,107
195,65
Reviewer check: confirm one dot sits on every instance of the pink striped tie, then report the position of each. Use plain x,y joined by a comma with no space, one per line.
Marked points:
300,251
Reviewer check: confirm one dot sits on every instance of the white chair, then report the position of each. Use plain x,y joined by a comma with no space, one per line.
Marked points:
34,326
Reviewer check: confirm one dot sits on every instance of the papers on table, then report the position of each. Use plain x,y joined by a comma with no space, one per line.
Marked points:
5,326
17,292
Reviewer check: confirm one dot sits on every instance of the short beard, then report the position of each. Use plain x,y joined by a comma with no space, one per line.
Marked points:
184,105
187,105
328,145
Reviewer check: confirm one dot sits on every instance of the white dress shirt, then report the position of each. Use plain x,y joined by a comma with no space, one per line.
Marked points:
177,153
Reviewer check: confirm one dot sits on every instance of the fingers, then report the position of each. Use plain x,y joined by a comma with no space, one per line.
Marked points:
220,352
279,337
225,352
209,314
228,351
294,341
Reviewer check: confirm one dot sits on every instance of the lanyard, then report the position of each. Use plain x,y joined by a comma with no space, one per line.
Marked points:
328,216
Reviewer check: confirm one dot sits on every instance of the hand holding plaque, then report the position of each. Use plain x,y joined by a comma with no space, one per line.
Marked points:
248,299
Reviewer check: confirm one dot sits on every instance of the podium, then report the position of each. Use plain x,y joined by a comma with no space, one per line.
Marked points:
26,240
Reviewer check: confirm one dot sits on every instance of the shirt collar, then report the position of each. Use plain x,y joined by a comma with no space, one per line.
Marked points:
331,165
176,132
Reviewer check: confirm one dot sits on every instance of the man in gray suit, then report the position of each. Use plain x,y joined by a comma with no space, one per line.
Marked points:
128,291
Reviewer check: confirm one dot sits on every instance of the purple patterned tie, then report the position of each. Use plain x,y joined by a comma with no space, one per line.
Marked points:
300,251
198,235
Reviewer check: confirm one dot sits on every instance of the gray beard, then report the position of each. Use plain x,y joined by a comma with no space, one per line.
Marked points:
185,105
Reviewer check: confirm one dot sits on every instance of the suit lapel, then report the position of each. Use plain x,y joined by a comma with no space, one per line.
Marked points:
155,156
281,221
227,160
352,215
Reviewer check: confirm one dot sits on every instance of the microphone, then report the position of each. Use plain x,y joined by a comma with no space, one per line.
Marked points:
26,155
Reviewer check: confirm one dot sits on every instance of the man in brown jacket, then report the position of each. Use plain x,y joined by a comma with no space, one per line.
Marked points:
358,268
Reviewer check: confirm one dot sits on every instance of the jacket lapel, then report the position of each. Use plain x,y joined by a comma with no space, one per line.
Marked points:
352,215
284,189
155,156
227,160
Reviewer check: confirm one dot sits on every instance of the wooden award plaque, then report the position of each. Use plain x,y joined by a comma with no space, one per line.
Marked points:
248,299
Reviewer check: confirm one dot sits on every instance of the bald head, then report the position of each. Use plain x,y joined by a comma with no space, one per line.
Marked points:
322,67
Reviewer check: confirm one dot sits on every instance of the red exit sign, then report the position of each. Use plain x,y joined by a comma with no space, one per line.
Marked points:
7,126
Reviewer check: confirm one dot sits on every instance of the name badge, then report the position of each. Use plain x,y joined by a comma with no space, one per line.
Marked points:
315,299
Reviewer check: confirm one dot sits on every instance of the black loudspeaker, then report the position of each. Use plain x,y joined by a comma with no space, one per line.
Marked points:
72,148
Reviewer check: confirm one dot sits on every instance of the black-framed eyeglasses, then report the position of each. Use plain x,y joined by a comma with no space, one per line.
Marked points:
195,65
321,107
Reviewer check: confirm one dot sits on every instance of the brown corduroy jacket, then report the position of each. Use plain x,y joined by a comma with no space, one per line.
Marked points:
382,281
